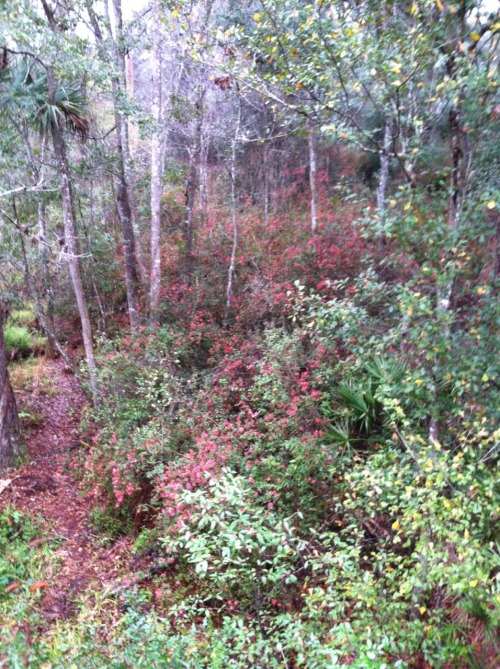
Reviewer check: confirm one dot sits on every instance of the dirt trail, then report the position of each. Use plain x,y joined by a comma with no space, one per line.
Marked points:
45,487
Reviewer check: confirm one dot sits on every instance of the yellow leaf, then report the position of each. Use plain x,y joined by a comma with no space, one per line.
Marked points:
466,534
418,382
475,36
395,525
407,206
439,5
393,202
473,583
491,204
485,378
414,9
422,610
175,13
256,16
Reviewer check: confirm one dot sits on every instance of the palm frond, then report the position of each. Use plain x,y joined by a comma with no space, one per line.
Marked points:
24,88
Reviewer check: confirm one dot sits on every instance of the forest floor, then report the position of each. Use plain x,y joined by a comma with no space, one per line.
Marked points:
47,490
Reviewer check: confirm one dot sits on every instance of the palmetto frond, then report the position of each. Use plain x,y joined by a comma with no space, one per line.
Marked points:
24,88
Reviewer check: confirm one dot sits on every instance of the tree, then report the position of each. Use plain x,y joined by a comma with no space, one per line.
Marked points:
10,434
124,195
156,166
54,116
30,88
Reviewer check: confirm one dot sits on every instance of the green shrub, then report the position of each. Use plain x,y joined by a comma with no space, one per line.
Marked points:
25,317
18,339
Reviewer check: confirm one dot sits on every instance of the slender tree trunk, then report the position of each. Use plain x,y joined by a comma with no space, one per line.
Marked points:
125,217
458,188
266,184
125,201
71,246
130,173
70,240
234,217
122,185
156,169
383,179
204,195
457,155
10,433
44,249
192,184
195,158
312,178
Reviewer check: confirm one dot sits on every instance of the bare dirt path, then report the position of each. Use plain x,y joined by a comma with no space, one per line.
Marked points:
46,487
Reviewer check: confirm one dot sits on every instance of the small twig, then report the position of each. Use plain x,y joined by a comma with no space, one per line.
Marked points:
407,446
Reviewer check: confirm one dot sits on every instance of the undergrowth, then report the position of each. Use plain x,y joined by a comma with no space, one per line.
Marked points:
312,479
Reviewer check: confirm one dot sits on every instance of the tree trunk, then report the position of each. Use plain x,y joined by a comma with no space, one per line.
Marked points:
204,194
234,217
383,178
10,433
266,184
312,178
122,184
156,170
125,202
457,186
192,184
68,215
71,245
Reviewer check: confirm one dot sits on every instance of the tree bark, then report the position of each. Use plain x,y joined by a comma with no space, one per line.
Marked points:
68,215
234,217
156,170
192,183
122,183
383,179
266,184
125,202
10,433
70,243
195,158
204,194
312,178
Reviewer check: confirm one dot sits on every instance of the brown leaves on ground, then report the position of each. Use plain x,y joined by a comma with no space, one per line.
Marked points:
46,488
